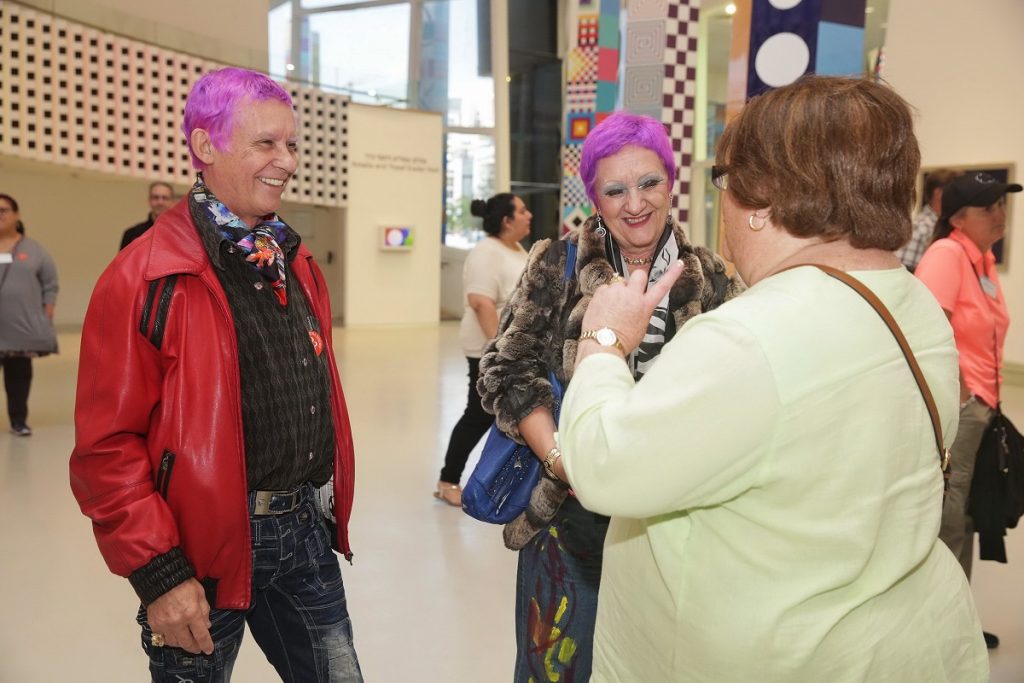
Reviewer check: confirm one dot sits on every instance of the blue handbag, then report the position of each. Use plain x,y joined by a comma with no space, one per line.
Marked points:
499,488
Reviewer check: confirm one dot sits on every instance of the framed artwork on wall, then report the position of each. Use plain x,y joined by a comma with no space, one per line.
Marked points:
1003,173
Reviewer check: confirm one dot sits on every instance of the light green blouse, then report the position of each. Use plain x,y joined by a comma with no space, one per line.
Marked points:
775,494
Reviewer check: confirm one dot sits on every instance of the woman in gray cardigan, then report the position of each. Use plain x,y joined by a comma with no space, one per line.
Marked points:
28,294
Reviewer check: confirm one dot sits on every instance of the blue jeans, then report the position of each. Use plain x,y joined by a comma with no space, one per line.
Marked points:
556,597
298,613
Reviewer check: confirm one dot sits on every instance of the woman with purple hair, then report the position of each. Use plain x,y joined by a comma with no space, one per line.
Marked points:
628,171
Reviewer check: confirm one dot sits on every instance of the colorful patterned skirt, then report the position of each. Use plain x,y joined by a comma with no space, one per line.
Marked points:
556,597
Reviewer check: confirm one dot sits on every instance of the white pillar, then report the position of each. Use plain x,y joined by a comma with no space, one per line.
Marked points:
499,69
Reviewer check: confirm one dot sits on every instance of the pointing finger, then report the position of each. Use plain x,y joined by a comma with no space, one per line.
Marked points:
659,289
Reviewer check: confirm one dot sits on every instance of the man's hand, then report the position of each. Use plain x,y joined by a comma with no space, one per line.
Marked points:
182,617
626,306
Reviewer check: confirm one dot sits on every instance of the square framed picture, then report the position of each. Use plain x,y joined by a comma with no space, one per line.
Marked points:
396,238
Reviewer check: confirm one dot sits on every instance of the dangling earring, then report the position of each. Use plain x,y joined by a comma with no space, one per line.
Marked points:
601,230
757,228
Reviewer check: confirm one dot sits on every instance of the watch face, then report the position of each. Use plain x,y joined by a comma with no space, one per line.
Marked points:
605,337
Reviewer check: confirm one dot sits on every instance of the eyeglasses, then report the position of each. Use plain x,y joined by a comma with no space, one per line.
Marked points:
720,177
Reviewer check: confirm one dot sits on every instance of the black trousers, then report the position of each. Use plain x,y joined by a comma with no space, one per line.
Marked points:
473,424
17,382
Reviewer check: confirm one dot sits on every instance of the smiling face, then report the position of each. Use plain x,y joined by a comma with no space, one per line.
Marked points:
250,174
984,225
518,226
633,197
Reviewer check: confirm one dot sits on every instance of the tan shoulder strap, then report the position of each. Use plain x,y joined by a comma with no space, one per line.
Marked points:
883,312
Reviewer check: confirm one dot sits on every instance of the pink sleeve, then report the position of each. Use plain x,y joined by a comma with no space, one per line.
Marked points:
940,270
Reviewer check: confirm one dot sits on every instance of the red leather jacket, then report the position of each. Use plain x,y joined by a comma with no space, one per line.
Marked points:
138,400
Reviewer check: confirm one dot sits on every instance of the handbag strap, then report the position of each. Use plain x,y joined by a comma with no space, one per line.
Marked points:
883,312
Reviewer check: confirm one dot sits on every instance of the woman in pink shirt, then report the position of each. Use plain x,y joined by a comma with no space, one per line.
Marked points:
959,269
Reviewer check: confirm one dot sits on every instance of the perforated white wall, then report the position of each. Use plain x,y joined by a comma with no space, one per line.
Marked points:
77,96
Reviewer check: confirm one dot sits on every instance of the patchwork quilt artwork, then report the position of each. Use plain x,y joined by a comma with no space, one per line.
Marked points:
591,92
647,66
580,97
581,64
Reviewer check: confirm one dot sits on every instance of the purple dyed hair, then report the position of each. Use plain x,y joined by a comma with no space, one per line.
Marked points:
216,97
617,131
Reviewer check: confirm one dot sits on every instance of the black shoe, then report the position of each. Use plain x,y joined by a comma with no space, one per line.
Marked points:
21,429
991,640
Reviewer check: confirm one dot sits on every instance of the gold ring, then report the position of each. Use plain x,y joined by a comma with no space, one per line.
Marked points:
616,279
157,640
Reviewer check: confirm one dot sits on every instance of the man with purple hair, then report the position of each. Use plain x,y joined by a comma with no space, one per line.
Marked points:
213,451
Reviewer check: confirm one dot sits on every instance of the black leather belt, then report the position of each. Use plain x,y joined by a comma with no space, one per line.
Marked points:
276,502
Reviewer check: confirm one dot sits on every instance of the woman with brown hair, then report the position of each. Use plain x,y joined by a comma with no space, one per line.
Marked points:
774,482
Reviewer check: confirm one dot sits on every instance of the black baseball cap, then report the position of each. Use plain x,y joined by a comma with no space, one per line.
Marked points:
973,189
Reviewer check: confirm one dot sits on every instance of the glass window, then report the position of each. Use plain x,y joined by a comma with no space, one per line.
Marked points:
317,4
470,94
279,30
469,169
364,50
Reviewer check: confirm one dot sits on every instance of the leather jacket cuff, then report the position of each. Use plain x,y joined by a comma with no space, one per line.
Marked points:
163,573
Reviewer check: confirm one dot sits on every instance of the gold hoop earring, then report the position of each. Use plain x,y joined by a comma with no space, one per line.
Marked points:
757,228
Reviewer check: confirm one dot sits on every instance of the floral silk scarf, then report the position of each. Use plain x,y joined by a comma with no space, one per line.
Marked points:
261,243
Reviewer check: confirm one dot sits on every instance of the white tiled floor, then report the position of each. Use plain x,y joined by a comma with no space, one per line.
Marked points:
431,590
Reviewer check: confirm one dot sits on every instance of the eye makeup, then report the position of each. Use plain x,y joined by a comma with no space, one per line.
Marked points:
647,182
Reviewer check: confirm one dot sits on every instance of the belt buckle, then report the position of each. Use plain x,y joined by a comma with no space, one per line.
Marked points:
264,500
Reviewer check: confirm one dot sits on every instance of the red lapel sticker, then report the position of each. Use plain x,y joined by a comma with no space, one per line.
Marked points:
23,256
318,342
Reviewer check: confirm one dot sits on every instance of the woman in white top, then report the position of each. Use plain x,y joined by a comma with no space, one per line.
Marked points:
489,276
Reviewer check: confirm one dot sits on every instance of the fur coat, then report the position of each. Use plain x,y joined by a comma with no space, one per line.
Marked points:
541,325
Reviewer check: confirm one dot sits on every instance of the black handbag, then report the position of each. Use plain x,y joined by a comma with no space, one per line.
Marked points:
996,499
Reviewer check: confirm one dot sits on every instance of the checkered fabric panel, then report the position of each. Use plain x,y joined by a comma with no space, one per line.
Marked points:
580,97
80,97
571,159
581,65
587,30
679,92
574,192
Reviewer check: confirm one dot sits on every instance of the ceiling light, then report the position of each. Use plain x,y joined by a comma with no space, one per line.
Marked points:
730,9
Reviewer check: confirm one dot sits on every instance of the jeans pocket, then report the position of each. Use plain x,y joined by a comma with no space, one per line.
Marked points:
326,573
